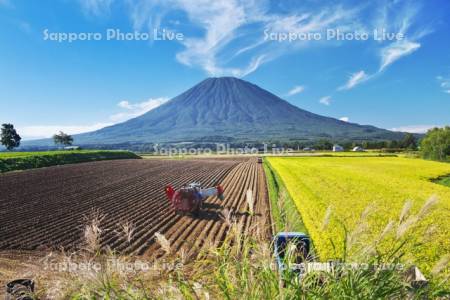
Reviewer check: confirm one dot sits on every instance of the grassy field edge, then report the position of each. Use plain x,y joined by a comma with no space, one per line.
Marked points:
53,158
443,180
285,214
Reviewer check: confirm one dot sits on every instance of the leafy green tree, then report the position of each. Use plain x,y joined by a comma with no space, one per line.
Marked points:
63,139
436,144
323,144
409,142
348,145
392,144
9,137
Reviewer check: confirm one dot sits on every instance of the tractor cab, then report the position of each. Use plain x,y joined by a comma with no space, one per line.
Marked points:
189,198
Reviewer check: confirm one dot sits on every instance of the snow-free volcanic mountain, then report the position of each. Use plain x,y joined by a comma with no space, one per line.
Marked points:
227,108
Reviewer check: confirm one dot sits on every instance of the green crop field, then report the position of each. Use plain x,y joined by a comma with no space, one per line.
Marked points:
38,153
12,161
344,187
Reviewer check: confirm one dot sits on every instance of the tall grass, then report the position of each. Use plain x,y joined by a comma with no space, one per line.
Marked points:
243,267
250,199
163,242
92,231
126,231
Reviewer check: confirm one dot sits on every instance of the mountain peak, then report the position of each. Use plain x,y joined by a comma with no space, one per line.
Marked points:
223,80
224,77
229,108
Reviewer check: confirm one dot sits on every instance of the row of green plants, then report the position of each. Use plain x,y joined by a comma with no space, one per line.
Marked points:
30,160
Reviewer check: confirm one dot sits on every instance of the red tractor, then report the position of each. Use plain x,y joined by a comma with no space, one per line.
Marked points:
189,198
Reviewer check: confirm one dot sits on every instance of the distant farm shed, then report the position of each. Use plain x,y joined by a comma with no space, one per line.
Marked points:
358,149
338,148
72,148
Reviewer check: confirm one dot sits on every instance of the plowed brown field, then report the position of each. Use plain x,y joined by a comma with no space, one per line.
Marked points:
45,209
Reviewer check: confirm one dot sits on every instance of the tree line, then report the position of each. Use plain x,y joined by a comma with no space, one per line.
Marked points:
435,145
409,142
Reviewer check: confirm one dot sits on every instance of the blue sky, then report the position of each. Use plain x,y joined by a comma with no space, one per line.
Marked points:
48,85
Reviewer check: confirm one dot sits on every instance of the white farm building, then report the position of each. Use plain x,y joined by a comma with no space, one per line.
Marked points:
358,149
338,148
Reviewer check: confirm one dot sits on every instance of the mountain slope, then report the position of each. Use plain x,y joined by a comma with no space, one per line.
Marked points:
227,107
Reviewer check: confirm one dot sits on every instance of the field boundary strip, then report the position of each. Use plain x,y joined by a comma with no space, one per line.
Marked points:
284,218
26,161
268,178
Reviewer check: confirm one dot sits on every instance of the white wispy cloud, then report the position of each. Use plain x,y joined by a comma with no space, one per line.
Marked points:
354,80
129,111
444,83
414,128
393,17
214,18
219,22
46,131
133,110
399,17
325,100
296,90
395,51
226,46
226,37
95,7
345,119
